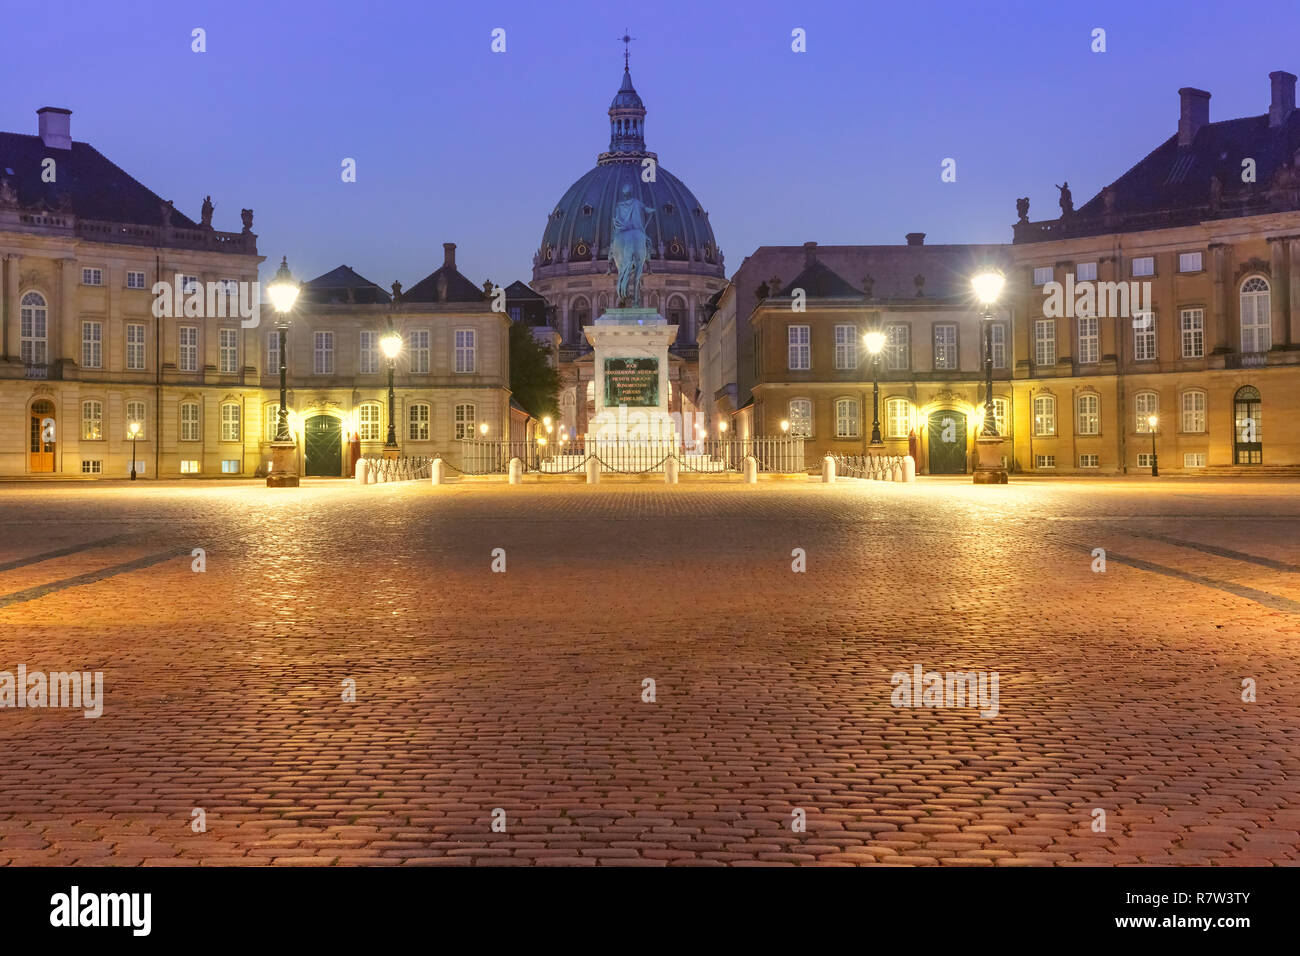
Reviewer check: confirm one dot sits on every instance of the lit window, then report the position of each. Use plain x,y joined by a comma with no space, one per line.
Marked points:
135,412
230,466
945,347
228,339
1145,404
368,416
189,421
1044,461
230,421
1144,337
1090,461
135,347
1193,412
323,353
92,466
272,426
1193,459
92,344
417,422
1044,415
417,343
898,417
846,347
799,351
1089,415
846,418
1144,266
187,348
1001,407
1256,321
1045,342
898,348
801,417
189,466
1189,262
466,351
464,420
92,420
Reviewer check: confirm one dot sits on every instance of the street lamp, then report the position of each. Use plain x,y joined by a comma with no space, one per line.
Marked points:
133,433
483,429
875,341
785,426
391,344
1152,421
283,293
987,286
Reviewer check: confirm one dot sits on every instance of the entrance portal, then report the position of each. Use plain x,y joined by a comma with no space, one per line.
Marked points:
947,442
1247,406
323,445
41,438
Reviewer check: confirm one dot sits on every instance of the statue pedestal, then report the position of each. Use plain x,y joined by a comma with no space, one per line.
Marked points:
284,465
989,471
631,375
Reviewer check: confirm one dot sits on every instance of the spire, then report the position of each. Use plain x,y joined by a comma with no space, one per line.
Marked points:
627,112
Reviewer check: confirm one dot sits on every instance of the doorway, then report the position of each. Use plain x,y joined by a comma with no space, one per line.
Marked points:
1247,448
947,442
41,438
323,446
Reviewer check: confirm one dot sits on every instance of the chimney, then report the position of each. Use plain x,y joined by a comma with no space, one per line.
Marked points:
56,129
1193,113
809,253
915,238
449,255
1283,102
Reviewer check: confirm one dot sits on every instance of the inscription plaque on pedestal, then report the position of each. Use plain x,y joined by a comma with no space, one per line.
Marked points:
631,382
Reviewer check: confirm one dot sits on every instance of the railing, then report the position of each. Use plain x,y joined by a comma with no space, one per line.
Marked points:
395,469
1245,360
38,371
875,467
779,454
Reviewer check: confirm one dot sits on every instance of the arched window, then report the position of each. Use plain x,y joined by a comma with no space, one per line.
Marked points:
230,422
1044,415
1145,404
189,421
1247,443
676,314
1256,317
846,418
1193,406
417,422
369,417
898,417
33,343
581,312
92,420
801,417
1088,414
465,415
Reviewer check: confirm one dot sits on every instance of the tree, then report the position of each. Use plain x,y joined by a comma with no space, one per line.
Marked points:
536,385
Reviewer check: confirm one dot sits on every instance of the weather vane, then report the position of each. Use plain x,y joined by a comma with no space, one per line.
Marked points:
626,40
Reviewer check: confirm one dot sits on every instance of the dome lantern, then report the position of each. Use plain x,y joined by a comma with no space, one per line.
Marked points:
626,114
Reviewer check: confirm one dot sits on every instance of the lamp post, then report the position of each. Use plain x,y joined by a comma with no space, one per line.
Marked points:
283,292
133,433
391,344
1152,421
988,287
875,341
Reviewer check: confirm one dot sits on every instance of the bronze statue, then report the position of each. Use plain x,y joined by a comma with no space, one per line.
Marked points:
397,291
1067,200
629,249
247,216
206,215
1022,208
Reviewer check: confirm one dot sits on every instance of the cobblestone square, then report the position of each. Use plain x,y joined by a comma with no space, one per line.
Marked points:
476,690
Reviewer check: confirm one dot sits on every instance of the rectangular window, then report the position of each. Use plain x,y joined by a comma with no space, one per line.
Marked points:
187,348
369,356
92,276
417,422
135,347
798,338
1086,272
92,421
1144,459
1144,337
801,417
135,280
464,421
898,348
139,467
1193,459
1089,341
1089,417
846,347
189,466
998,334
189,421
1144,266
189,284
1000,408
898,417
846,418
1193,412
1189,262
1090,461
1044,415
228,286
417,342
135,412
92,344
1044,461
368,422
230,466
516,313
466,351
1045,342
229,342
945,347
273,354
1193,327
1042,275
230,417
92,466
323,353
272,422
1146,404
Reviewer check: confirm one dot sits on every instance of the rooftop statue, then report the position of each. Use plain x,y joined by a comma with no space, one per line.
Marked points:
629,248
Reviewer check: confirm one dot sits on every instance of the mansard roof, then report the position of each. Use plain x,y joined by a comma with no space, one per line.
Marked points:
343,285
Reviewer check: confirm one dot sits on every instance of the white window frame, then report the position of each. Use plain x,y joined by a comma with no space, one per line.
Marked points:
1044,341
1001,413
946,358
322,352
1085,272
271,421
143,408
466,344
898,424
418,421
1191,262
135,280
190,424
228,350
898,347
1089,340
1192,406
848,426
189,284
998,337
190,466
1143,266
1090,460
417,346
1044,461
91,275
846,347
137,359
34,329
187,348
92,420
798,340
1256,315
92,344
1044,416
1192,324
273,352
464,419
368,354
801,420
1144,337
370,421
1087,414
1043,275
1145,404
231,422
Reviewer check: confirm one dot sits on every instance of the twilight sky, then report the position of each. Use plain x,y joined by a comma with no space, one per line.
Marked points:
841,144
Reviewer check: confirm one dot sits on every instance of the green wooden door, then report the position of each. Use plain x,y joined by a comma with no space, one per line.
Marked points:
947,443
323,444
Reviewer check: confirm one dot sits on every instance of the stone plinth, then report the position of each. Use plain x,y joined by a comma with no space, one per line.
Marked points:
284,465
631,377
989,471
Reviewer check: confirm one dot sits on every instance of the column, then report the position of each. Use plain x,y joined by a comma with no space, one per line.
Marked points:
66,338
1218,305
1293,271
1280,290
11,305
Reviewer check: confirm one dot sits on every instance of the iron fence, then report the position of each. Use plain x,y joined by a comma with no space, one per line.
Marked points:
778,454
395,469
877,467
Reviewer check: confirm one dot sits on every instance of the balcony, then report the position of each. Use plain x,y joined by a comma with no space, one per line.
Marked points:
1245,360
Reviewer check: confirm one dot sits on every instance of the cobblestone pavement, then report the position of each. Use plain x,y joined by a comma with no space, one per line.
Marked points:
1118,691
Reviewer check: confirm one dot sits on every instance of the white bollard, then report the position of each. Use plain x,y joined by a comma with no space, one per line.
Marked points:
516,471
436,472
593,471
670,471
897,473
751,470
909,468
362,475
828,469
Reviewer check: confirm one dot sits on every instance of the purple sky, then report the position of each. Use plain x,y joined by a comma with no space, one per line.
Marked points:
841,144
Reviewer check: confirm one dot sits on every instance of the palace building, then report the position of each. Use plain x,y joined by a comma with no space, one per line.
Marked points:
571,268
83,353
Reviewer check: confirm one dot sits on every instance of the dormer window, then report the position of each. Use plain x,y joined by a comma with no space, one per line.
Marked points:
668,208
586,210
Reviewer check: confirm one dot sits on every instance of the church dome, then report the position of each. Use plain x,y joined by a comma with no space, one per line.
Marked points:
578,229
